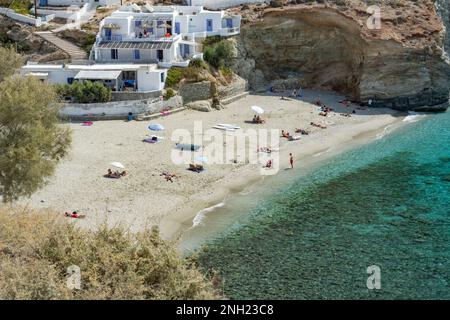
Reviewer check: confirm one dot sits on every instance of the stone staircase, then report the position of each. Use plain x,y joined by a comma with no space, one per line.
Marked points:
73,51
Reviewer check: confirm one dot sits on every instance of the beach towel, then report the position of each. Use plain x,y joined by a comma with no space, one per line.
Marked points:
87,123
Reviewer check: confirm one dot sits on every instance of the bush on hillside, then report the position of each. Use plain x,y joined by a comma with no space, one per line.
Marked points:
38,253
217,54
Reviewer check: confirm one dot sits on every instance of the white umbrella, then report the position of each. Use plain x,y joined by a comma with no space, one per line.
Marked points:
118,165
258,110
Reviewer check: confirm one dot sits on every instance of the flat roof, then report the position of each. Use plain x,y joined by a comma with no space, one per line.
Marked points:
93,75
135,45
43,66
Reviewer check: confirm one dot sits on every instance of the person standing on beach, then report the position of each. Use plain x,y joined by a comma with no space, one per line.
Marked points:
291,160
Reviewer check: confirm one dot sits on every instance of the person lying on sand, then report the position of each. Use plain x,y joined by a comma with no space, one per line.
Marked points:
257,119
303,132
265,149
169,176
323,114
115,175
269,164
285,134
318,102
318,125
285,99
74,215
196,167
348,115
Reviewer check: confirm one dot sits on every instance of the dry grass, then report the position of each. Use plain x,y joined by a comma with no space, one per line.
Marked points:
36,248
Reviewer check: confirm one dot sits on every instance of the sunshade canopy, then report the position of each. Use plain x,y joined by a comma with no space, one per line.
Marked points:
98,75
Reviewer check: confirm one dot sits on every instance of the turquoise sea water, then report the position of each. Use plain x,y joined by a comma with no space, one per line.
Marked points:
386,204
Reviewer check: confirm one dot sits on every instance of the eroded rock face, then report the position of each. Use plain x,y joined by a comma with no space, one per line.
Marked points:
325,47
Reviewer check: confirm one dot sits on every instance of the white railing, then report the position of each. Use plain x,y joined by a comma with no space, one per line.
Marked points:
115,38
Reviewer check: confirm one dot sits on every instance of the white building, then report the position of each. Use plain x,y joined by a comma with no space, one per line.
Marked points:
167,35
118,77
136,45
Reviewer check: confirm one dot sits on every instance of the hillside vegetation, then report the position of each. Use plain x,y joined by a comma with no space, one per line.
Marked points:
38,251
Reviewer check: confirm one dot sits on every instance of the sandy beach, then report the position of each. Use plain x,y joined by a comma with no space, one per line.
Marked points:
144,198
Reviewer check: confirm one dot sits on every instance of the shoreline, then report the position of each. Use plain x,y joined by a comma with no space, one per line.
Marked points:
174,226
143,198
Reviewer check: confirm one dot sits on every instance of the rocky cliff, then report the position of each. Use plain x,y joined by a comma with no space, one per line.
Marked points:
330,45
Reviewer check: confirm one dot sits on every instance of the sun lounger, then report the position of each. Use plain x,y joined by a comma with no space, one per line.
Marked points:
231,126
224,128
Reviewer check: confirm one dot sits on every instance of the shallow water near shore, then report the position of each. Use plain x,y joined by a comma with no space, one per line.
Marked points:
386,203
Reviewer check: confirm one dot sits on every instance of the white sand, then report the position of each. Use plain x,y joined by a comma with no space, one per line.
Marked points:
144,198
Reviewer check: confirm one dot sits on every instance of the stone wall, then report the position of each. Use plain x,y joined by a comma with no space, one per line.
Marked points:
195,91
125,96
238,86
119,109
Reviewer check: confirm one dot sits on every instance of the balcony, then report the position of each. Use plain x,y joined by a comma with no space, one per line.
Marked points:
132,38
225,32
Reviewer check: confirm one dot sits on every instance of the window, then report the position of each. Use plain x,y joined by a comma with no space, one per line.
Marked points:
138,23
114,54
137,54
69,80
162,77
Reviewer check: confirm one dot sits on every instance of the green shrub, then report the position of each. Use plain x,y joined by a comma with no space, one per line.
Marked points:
218,53
174,76
85,92
169,94
198,64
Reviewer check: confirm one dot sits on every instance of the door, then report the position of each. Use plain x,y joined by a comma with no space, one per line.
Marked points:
177,28
187,50
43,3
229,23
209,25
108,34
160,55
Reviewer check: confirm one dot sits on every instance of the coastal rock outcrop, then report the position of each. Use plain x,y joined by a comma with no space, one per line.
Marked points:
401,65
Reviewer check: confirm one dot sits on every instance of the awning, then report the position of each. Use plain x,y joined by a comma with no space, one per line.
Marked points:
98,75
135,45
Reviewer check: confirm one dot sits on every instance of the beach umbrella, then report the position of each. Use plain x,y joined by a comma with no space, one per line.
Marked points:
118,165
156,127
201,159
258,110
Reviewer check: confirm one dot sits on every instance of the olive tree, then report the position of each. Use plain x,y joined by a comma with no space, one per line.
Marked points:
31,139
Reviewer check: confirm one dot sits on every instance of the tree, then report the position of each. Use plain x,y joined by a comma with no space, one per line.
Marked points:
31,140
10,60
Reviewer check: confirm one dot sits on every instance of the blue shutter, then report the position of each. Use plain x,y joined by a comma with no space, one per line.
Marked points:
137,54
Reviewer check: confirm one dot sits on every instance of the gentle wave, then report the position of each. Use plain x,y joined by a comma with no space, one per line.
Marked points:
385,132
414,116
198,220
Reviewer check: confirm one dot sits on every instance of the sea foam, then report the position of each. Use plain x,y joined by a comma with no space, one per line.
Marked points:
200,216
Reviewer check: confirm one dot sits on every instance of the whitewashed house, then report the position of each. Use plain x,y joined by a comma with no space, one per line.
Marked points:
167,35
136,45
118,77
